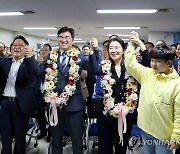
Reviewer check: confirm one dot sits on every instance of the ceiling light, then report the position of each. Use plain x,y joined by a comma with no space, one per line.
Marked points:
128,11
52,35
123,35
125,39
40,28
79,41
11,14
122,27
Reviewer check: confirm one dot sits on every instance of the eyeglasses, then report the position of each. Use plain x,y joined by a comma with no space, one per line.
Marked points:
66,37
18,45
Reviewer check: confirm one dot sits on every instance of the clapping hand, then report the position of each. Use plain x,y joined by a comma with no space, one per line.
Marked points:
29,51
94,44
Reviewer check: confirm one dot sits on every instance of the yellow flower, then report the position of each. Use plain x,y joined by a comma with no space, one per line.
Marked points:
128,104
52,72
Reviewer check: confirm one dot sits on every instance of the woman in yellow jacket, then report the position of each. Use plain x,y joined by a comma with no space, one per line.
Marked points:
159,102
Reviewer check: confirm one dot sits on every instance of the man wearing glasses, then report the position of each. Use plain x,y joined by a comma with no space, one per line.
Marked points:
17,96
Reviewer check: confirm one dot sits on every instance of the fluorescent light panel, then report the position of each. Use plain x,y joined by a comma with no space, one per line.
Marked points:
128,11
79,41
54,35
11,14
122,27
123,35
125,39
40,28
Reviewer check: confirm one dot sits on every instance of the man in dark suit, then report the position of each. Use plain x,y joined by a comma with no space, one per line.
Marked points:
41,105
2,48
17,96
72,113
176,61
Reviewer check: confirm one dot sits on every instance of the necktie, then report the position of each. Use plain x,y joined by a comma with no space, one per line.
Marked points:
63,63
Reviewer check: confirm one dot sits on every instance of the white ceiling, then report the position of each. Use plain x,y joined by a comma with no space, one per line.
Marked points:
81,15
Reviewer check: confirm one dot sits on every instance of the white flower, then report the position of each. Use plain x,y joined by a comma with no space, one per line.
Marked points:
48,70
50,77
48,62
54,66
133,96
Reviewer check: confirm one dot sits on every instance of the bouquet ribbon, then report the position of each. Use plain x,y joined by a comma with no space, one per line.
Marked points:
122,125
53,118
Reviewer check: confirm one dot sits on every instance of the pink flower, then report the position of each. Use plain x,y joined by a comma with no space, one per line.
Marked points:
71,82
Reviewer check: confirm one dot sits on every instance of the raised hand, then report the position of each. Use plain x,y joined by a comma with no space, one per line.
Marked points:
94,44
29,51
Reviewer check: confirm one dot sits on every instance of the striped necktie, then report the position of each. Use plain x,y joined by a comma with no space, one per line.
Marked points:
63,63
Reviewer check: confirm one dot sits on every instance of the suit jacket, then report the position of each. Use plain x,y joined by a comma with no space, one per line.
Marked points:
175,64
23,84
76,101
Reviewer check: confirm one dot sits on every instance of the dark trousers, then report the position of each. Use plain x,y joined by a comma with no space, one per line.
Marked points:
13,124
41,117
177,151
108,133
74,122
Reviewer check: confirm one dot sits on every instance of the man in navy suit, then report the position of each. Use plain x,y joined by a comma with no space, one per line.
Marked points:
176,61
17,95
72,113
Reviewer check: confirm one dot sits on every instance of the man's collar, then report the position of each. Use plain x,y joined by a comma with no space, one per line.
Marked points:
20,60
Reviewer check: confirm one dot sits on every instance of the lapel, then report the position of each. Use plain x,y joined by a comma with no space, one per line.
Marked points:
21,68
8,67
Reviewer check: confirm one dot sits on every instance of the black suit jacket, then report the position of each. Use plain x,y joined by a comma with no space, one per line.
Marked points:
23,84
175,64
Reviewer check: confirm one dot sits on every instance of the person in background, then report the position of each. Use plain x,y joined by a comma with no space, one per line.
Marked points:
2,48
86,50
149,46
7,51
159,103
103,55
161,43
17,95
42,105
173,47
176,61
91,78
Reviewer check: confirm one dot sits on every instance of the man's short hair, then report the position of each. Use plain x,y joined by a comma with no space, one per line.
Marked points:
84,46
47,44
66,29
21,38
106,41
160,52
150,44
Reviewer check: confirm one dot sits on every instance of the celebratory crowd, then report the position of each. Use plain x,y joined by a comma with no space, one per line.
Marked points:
138,83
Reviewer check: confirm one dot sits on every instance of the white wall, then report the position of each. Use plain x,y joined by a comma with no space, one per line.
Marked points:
7,37
166,36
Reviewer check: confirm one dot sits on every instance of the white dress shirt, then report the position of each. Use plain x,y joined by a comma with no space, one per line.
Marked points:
10,90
